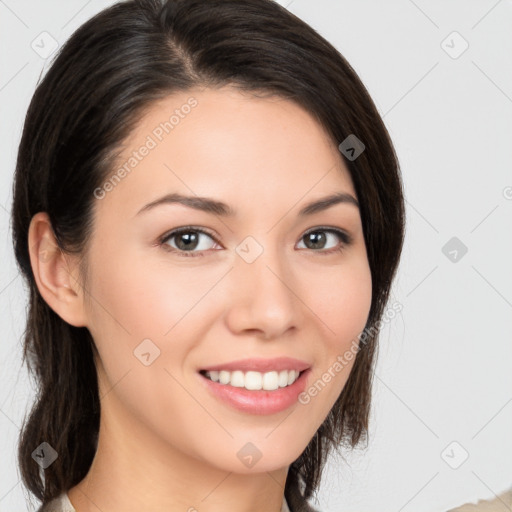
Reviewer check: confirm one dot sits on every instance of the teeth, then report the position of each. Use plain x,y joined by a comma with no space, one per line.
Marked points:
268,381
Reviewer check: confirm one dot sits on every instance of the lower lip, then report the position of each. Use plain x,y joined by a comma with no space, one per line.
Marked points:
258,401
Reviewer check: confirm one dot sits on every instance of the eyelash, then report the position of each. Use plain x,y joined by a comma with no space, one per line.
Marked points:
345,240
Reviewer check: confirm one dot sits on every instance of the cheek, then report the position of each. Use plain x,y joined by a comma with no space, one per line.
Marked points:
342,301
143,298
134,300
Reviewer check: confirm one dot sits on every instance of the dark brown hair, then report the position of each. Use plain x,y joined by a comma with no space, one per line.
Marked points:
98,87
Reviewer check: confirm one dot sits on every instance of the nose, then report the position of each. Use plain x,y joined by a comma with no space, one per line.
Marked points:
262,297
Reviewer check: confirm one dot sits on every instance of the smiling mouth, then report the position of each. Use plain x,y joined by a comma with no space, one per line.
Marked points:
253,380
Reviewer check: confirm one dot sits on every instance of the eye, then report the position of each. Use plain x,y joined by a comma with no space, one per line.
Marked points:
320,236
187,239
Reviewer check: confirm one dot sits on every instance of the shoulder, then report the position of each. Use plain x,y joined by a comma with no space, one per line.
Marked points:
62,504
502,503
59,504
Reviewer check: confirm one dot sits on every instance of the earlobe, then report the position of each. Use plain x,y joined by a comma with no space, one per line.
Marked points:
55,273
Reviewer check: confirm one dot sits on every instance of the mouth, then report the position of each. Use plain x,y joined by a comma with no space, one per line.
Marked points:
256,393
253,380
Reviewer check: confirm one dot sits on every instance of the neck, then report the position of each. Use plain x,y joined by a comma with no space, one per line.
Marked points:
134,470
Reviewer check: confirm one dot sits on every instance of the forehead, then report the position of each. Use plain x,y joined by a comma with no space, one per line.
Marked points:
230,145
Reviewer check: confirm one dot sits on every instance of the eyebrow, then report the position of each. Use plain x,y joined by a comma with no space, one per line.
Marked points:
209,205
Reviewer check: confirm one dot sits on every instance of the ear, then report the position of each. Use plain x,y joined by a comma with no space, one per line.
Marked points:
55,273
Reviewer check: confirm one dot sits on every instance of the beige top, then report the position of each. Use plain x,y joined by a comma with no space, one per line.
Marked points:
62,504
502,503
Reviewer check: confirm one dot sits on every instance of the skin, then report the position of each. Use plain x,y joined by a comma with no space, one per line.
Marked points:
165,443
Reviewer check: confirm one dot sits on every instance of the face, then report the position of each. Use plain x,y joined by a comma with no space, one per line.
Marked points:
262,282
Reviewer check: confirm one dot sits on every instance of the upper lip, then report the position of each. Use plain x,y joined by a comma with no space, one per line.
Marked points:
261,365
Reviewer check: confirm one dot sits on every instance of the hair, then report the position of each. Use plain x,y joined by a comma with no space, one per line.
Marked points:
100,84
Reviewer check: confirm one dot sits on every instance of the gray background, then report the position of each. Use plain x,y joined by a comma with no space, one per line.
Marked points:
443,384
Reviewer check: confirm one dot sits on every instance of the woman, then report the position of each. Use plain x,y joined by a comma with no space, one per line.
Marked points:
208,212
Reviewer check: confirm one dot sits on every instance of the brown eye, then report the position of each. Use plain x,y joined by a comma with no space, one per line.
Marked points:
187,240
317,239
320,237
